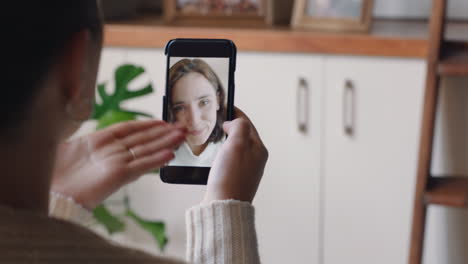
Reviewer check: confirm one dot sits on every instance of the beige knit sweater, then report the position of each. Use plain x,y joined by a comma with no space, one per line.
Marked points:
219,233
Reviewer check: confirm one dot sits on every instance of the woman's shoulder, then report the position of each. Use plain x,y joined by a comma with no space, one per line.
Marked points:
30,237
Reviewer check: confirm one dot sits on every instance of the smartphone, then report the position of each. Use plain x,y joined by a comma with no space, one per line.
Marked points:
200,96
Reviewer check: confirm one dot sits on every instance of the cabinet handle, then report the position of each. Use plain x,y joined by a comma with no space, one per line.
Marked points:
303,106
349,107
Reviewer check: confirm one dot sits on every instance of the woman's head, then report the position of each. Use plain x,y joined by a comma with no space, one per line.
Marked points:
197,101
51,60
54,51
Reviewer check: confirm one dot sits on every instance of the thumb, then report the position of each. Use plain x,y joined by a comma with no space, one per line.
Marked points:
227,126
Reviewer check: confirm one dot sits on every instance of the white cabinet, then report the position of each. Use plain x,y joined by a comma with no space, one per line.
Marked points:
326,197
268,88
287,203
369,177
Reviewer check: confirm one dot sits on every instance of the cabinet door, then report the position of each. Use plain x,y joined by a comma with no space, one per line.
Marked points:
268,88
372,121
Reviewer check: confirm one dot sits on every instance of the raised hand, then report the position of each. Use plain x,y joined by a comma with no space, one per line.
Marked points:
91,168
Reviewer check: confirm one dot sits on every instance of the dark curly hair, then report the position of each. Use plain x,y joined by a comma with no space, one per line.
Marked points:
186,66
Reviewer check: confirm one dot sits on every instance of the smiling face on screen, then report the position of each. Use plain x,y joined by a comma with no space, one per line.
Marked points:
195,105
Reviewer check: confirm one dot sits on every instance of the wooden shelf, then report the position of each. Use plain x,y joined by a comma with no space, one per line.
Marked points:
391,38
454,60
387,38
448,191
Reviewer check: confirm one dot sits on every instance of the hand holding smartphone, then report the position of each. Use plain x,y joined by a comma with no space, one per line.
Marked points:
200,96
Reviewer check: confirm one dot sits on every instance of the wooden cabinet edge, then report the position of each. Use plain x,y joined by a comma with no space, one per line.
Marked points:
270,40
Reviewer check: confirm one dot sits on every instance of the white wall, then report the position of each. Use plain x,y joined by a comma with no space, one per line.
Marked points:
458,9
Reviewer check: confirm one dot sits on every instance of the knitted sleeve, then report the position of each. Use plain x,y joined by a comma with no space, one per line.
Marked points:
222,232
66,208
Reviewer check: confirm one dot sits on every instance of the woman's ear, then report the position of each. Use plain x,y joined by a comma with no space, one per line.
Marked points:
78,96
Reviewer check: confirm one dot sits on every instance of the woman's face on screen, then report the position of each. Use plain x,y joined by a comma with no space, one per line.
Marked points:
195,104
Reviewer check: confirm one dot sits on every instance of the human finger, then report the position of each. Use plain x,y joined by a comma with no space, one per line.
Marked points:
148,135
123,129
168,141
240,114
238,128
144,165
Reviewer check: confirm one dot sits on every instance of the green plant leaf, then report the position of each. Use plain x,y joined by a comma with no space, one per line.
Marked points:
106,218
157,229
142,92
139,113
114,116
123,76
107,113
102,91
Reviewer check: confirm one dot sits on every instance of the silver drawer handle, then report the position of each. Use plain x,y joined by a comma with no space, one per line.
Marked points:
303,106
349,107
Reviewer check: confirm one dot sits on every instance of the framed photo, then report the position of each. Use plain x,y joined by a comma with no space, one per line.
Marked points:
333,15
218,12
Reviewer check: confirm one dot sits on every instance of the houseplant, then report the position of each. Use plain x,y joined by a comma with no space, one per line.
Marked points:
108,112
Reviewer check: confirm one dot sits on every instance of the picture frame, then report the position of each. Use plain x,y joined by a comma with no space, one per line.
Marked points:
333,15
187,13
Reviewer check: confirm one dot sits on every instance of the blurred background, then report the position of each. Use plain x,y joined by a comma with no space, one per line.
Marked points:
340,108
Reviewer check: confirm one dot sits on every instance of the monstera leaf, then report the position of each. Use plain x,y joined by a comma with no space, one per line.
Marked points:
111,222
156,229
109,111
114,116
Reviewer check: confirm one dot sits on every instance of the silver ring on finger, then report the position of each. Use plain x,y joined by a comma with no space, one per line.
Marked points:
132,152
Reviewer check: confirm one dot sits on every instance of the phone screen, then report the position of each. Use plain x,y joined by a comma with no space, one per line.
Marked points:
200,97
197,99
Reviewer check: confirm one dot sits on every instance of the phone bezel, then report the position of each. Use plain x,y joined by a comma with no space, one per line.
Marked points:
197,48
